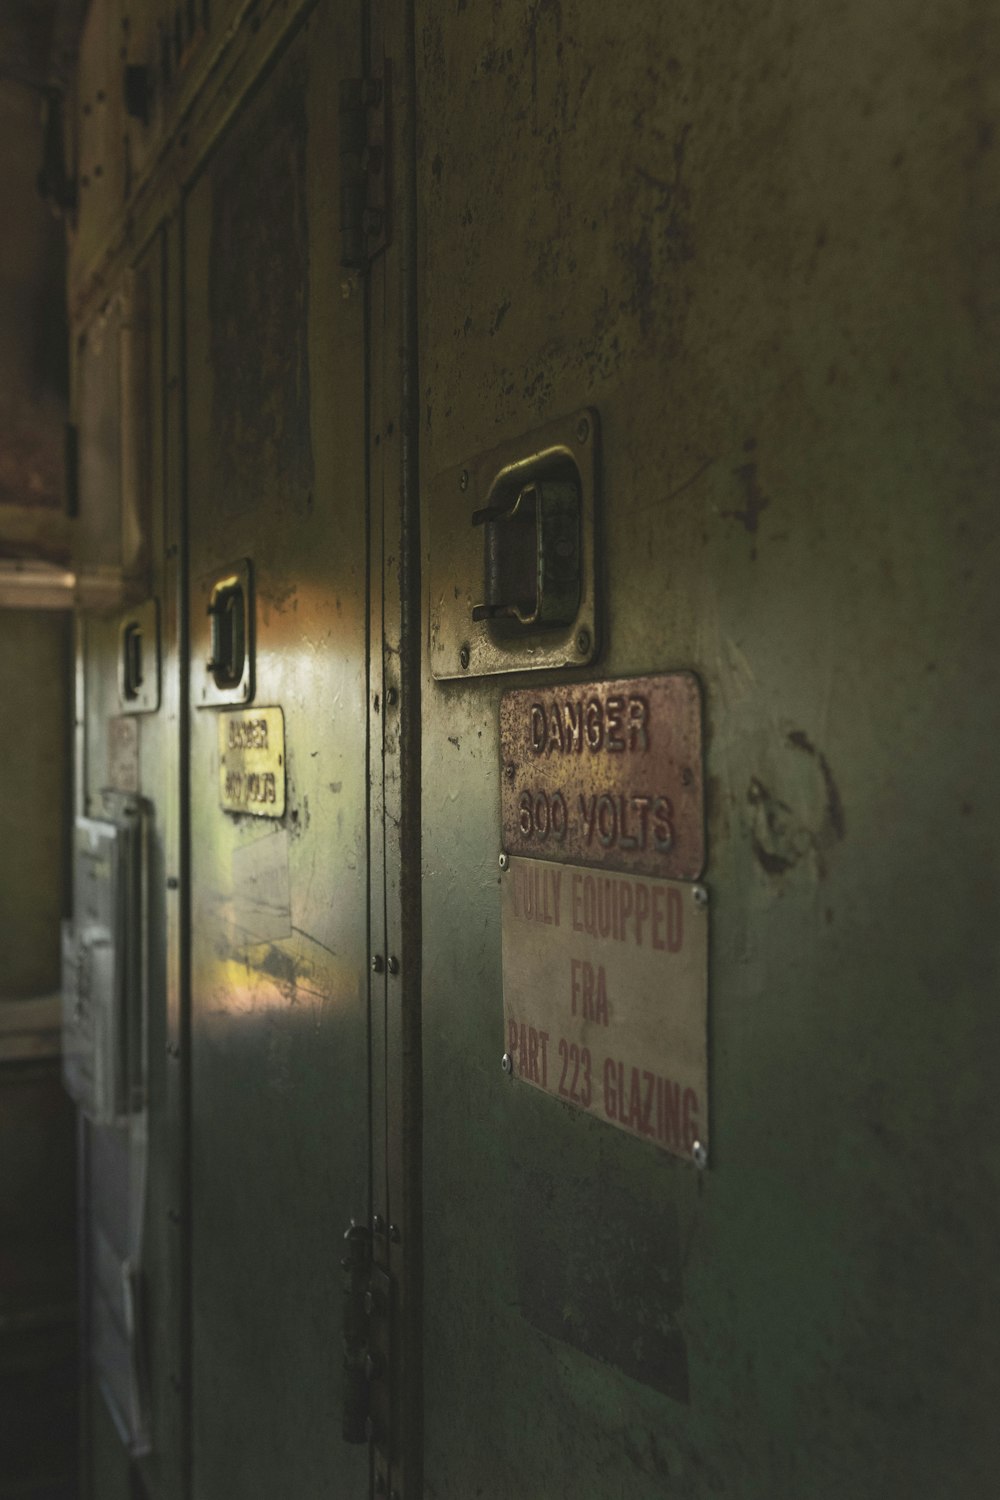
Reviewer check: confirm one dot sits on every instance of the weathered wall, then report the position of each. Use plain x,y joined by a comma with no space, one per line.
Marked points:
762,241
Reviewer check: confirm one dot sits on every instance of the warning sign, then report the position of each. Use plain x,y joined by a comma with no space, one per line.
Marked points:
605,991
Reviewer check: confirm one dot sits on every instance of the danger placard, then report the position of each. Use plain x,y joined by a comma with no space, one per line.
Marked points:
605,988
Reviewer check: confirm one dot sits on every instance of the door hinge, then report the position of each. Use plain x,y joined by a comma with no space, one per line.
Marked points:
367,1321
364,169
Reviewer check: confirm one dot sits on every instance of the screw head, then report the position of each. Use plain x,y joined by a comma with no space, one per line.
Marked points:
699,1155
503,861
378,1223
583,430
393,964
583,641
700,897
395,1233
377,963
464,658
391,697
507,1063
463,480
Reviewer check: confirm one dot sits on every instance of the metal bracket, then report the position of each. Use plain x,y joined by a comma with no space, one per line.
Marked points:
364,169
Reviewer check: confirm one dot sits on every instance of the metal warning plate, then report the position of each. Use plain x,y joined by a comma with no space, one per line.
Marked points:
609,773
252,762
605,995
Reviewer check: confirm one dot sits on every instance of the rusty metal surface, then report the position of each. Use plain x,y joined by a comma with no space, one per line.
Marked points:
605,997
606,773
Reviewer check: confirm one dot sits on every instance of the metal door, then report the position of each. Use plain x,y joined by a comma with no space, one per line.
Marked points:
749,242
277,555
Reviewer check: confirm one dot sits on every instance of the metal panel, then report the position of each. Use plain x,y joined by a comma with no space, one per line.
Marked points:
758,241
279,958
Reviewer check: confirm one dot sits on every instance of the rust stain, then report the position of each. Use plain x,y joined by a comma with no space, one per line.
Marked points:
834,805
781,839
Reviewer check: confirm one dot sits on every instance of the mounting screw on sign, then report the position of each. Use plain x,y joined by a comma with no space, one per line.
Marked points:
699,1155
507,1063
583,642
700,897
504,861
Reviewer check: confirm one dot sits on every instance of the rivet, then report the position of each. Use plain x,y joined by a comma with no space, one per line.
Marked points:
507,1063
172,883
699,1155
700,896
378,1224
583,641
463,480
503,861
393,964
395,1234
463,658
582,430
377,963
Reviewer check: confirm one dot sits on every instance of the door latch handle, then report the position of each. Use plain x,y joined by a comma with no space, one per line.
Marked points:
532,555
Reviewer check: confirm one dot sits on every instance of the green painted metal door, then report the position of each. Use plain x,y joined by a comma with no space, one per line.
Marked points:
279,904
755,241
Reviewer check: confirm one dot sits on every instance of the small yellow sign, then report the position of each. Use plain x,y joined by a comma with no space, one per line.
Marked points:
252,762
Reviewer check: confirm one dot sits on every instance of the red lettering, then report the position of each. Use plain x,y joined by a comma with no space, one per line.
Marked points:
601,998
641,908
675,920
659,917
610,1094
574,983
635,1101
624,907
672,1112
647,1104
533,1053
543,1038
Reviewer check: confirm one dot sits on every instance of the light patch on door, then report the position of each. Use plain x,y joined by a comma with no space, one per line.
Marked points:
262,900
605,993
